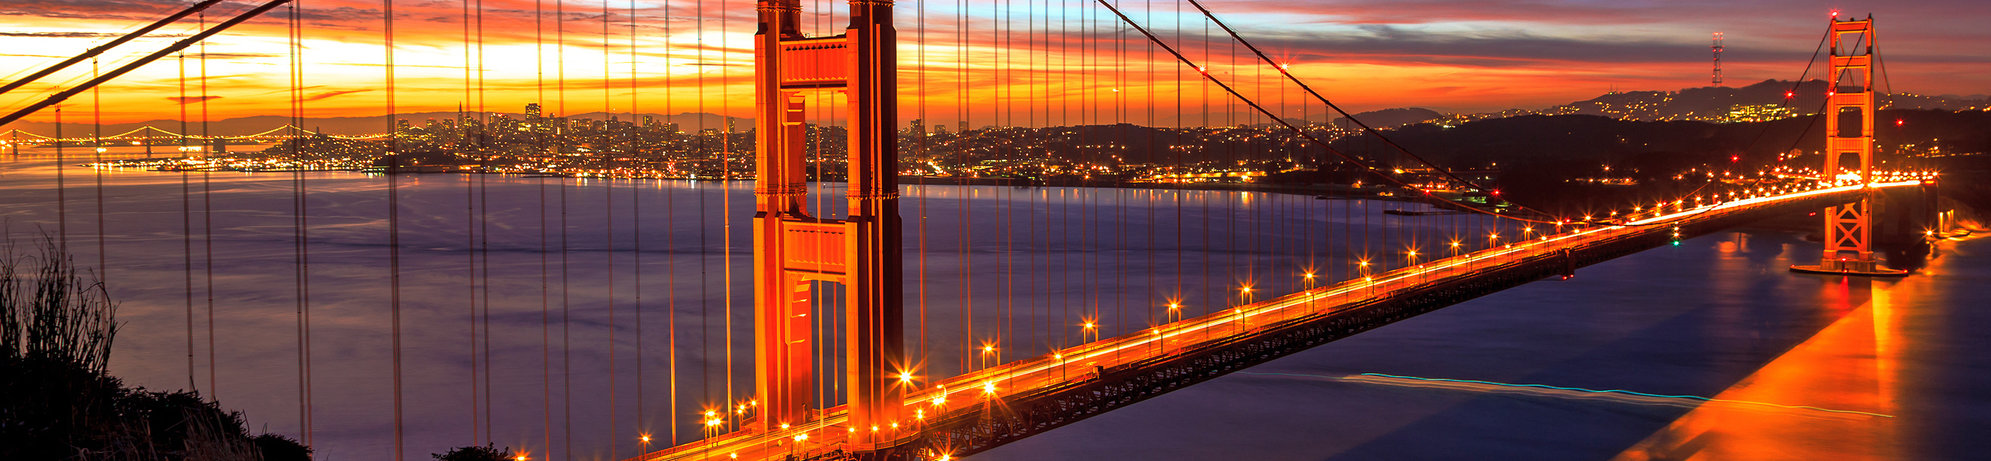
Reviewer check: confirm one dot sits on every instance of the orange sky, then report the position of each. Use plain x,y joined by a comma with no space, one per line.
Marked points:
1025,62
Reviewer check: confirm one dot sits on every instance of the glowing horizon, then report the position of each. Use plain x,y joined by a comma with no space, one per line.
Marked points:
1075,64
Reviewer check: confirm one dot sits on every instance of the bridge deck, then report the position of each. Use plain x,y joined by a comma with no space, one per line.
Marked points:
975,395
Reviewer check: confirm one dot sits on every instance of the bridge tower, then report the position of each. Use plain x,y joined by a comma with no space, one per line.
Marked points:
861,251
1849,116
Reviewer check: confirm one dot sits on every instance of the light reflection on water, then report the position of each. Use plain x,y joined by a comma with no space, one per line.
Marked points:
1052,256
1893,367
1716,317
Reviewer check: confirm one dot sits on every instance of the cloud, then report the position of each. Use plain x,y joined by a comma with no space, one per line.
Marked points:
1379,43
92,9
215,55
329,94
1443,11
59,34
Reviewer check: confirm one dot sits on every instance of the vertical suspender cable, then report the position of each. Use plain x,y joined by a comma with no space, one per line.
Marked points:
670,242
633,137
967,256
97,170
300,265
726,221
919,358
607,150
562,129
393,220
636,213
484,217
545,273
186,212
207,216
704,277
469,226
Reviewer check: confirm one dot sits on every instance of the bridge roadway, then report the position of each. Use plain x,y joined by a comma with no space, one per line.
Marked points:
956,404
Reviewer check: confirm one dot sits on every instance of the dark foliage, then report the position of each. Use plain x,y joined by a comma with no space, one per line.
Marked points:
483,453
275,447
55,334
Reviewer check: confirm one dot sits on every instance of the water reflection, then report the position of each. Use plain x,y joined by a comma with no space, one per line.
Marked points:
1850,364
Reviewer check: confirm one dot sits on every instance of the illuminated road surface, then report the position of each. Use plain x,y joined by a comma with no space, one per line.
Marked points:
974,390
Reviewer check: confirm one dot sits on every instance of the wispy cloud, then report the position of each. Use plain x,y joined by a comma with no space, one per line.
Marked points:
329,94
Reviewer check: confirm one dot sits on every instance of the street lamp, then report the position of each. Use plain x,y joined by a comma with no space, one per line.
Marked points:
1412,256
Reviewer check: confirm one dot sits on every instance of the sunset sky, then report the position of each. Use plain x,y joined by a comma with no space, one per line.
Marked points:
1027,62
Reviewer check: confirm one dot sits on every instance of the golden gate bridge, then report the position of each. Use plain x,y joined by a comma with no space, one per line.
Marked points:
842,364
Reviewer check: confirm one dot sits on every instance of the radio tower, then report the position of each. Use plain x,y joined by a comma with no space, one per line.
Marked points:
1717,58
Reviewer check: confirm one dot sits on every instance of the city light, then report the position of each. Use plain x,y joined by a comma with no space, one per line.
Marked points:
1046,161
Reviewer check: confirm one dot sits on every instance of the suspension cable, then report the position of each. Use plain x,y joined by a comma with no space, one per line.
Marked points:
1296,130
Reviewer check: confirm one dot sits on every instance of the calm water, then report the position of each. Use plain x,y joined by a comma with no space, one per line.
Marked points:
1707,318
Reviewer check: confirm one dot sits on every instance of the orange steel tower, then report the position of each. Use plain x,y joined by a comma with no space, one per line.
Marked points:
861,251
1849,115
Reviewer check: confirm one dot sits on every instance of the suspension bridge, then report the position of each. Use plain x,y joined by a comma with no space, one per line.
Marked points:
842,350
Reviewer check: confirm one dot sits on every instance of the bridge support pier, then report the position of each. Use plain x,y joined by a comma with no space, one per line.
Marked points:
1849,227
862,251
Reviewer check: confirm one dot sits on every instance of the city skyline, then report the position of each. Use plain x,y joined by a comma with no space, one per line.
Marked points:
1453,56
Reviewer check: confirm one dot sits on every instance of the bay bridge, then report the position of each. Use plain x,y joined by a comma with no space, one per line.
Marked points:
837,347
